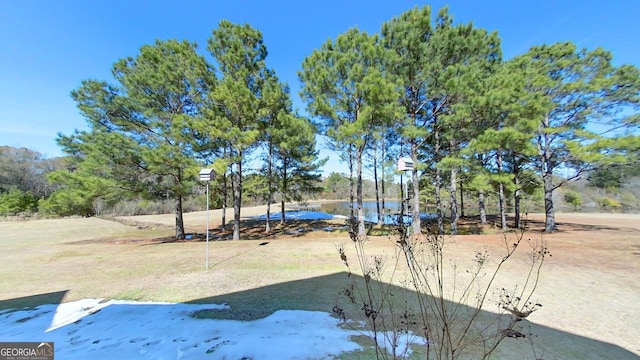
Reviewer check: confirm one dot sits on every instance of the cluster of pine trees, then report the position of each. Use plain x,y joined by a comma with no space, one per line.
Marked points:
441,94
424,87
171,112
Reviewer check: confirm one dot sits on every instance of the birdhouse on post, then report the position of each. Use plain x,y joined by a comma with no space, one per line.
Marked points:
207,175
405,164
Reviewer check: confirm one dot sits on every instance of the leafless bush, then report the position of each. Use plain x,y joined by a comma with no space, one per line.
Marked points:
445,314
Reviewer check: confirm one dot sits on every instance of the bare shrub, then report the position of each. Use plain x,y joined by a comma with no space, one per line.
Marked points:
443,312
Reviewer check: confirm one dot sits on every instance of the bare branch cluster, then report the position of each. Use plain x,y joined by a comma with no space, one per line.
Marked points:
441,310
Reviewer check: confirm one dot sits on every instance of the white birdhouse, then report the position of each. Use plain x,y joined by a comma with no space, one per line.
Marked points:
207,175
405,164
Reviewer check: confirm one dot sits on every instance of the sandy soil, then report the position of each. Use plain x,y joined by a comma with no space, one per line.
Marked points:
197,219
590,286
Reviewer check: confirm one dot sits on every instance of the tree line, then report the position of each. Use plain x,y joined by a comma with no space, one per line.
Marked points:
23,179
171,111
423,87
441,94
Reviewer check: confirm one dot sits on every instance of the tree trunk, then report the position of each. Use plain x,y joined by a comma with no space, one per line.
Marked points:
382,170
225,193
375,180
439,212
549,211
351,196
237,199
361,227
438,185
454,203
225,198
517,196
284,192
461,200
544,150
267,228
503,216
415,211
483,210
180,235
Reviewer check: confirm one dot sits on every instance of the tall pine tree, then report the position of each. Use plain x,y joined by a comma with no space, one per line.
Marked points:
347,88
141,124
582,92
240,54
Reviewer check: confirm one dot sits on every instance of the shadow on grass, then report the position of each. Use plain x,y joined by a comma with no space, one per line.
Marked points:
539,225
470,225
324,292
33,301
253,230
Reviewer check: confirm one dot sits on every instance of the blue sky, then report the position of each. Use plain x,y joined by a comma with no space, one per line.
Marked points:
47,47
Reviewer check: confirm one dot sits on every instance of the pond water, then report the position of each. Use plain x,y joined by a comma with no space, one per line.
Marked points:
392,211
340,210
300,215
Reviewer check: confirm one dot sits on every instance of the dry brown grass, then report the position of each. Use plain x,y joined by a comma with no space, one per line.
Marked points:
589,290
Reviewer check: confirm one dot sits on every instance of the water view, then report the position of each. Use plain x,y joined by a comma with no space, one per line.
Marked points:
340,210
391,211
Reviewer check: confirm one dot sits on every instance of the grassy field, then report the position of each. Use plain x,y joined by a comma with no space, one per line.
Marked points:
590,290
